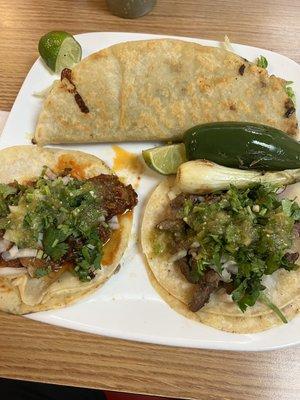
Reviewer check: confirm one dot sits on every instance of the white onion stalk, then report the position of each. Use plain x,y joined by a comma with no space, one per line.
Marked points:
178,256
4,245
202,176
7,271
114,223
15,253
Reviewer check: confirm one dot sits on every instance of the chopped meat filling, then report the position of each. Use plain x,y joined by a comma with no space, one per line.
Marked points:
207,285
116,197
171,225
11,263
177,203
187,268
208,282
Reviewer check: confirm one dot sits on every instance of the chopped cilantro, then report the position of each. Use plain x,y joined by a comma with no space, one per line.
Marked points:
8,196
53,243
289,91
201,265
63,217
159,246
264,299
251,227
42,271
6,190
262,62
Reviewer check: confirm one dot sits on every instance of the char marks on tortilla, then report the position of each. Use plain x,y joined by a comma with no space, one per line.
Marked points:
157,89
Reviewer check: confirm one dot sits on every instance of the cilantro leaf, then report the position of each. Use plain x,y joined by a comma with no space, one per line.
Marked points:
265,300
287,206
289,91
6,190
252,227
201,267
53,244
42,271
262,62
247,293
89,257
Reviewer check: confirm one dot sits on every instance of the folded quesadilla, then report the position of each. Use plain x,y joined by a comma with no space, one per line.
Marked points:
227,259
65,222
157,89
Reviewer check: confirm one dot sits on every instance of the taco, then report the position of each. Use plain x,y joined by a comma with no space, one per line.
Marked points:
228,259
65,222
156,90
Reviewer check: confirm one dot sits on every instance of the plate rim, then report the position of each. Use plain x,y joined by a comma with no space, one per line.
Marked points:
230,346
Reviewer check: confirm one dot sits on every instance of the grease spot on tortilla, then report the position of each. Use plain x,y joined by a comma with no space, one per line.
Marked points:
68,161
110,249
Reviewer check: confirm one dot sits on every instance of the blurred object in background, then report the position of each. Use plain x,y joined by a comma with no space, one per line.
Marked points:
129,396
130,8
22,390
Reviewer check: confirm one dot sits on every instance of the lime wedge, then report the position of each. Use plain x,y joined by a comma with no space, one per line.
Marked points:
59,50
165,159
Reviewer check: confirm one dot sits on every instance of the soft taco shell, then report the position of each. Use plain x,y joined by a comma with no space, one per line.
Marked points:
221,312
157,89
23,294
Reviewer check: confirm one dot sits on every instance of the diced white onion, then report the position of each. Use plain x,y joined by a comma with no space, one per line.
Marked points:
102,218
114,223
27,253
66,179
280,190
50,174
231,267
40,236
6,271
4,245
10,254
178,256
226,276
228,268
14,253
269,281
13,208
195,244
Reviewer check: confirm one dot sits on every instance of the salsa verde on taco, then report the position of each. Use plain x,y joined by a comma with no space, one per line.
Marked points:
59,211
228,258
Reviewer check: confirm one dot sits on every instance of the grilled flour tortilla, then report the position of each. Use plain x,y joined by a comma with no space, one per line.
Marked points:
157,89
20,292
282,287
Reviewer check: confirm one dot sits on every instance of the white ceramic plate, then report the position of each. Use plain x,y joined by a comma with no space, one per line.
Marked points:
127,306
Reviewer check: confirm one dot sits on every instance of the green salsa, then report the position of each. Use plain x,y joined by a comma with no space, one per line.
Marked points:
54,216
251,228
